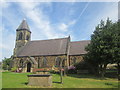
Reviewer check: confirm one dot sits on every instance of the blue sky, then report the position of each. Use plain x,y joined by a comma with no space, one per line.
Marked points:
49,20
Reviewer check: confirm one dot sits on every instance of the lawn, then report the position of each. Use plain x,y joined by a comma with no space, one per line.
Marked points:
20,80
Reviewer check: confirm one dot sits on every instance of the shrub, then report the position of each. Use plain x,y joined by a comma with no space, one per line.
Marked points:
72,70
83,65
6,63
14,69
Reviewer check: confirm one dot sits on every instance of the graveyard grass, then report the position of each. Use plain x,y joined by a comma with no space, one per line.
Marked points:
20,80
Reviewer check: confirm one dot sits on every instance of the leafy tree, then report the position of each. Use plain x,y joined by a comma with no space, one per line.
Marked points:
6,63
101,47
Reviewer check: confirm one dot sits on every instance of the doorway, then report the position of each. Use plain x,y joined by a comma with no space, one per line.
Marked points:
28,67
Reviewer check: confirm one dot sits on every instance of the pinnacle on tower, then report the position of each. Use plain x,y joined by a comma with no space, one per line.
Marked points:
23,26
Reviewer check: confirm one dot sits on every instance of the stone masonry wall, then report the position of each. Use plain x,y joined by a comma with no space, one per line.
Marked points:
50,62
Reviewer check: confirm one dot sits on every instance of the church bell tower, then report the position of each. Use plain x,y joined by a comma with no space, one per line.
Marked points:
23,35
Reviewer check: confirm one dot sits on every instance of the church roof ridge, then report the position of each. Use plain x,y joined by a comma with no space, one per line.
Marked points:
49,39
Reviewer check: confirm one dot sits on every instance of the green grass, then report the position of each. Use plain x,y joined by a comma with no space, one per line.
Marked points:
19,80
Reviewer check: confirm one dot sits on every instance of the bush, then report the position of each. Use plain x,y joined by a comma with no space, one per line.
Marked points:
72,70
52,71
81,65
14,69
84,65
6,63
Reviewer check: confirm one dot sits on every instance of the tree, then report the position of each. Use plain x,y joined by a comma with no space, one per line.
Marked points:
99,50
116,46
6,63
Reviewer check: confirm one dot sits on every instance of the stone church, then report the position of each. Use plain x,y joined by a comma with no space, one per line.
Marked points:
30,55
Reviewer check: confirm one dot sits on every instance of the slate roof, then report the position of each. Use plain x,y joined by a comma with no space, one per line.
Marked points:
78,47
44,47
23,26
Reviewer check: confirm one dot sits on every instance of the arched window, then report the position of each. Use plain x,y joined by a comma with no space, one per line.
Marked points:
27,38
44,62
20,36
74,60
57,61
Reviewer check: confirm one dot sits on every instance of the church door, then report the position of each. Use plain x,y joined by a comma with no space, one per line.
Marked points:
28,67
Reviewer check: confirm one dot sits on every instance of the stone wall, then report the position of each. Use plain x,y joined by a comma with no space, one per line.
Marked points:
50,61
21,62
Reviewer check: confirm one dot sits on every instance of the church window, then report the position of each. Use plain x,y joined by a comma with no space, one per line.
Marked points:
74,60
57,62
20,36
44,62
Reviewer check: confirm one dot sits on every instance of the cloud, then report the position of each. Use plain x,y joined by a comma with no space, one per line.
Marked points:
108,12
42,23
63,27
7,44
4,4
61,0
119,10
72,22
104,14
4,46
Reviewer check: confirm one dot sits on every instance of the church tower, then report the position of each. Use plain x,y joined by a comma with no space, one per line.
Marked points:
23,35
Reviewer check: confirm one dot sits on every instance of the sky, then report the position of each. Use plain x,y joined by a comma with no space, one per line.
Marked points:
49,20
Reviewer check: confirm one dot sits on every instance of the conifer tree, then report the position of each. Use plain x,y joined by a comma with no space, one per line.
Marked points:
104,47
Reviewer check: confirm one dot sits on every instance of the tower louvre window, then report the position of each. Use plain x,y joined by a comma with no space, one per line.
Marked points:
20,36
27,38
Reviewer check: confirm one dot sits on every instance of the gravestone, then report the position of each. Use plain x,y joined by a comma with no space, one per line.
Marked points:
43,80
